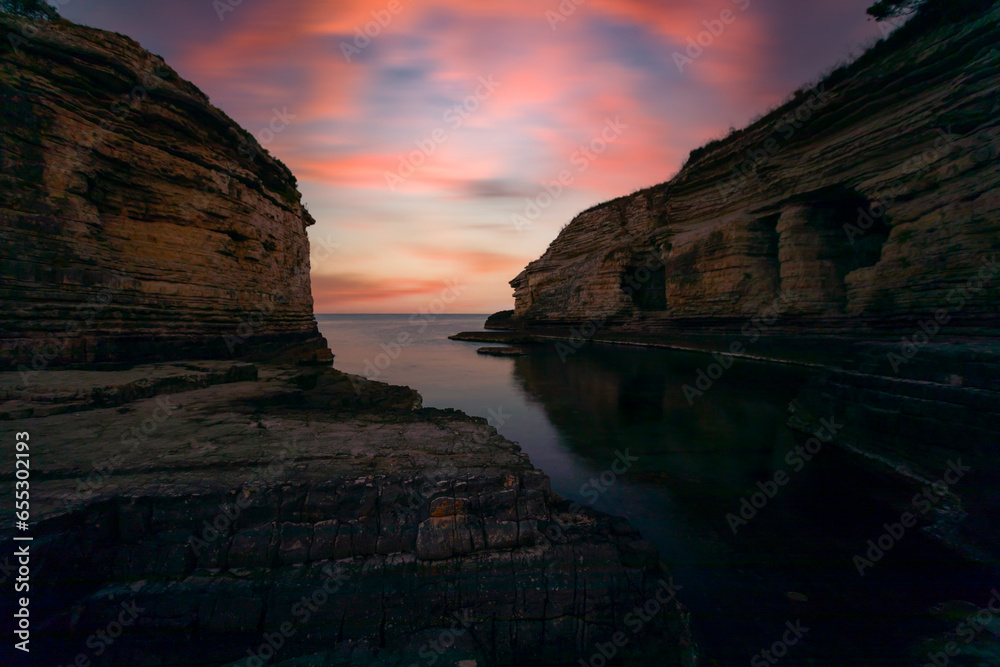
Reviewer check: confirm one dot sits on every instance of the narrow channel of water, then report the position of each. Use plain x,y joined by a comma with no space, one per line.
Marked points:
689,467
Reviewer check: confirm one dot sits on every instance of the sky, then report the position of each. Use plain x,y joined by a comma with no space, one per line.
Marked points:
442,144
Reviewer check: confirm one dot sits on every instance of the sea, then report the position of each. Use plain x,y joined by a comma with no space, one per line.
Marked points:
761,533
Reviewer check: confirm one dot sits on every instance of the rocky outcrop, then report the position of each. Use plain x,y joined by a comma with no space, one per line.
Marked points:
502,320
215,512
314,518
914,434
138,221
865,202
854,230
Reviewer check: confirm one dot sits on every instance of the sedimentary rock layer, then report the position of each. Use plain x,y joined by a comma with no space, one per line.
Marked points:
137,220
870,199
323,510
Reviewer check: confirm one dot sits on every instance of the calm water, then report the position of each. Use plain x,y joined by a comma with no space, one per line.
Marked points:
693,464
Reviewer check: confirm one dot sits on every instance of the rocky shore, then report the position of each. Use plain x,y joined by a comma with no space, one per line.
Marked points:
852,230
864,204
204,488
248,509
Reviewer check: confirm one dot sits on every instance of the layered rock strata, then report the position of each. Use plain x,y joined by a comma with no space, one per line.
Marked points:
207,512
326,511
138,221
863,203
855,230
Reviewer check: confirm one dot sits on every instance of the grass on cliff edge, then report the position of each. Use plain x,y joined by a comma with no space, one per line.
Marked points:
927,18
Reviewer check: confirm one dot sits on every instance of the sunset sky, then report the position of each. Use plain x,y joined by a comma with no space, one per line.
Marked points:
533,83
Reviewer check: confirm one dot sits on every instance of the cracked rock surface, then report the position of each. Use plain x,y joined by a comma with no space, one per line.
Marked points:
322,513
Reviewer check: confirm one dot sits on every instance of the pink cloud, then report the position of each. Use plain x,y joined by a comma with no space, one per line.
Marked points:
610,59
332,289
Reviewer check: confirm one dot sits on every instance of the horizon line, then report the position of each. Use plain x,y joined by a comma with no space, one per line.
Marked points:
411,314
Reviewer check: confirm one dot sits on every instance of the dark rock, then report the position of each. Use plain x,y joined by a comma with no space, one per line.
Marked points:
502,320
502,351
354,552
163,233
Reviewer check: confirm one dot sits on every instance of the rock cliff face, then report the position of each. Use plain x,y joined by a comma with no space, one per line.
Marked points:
867,200
219,512
138,221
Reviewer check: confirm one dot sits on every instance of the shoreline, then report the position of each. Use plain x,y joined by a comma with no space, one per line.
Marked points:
250,482
905,426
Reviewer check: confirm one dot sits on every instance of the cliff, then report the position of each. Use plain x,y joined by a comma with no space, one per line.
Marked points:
220,512
854,230
862,203
138,221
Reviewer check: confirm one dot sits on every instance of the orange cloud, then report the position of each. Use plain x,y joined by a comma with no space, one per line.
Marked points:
355,287
469,261
354,120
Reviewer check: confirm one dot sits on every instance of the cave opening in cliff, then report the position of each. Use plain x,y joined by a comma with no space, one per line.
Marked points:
857,229
868,234
766,231
646,284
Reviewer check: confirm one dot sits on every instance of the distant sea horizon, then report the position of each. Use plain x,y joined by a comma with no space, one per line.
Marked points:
407,314
688,468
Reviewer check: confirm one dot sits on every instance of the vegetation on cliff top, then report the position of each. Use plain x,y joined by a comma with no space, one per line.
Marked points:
885,9
32,9
927,15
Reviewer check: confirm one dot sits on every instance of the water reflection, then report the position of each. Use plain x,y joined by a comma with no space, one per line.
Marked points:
720,445
696,461
695,464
